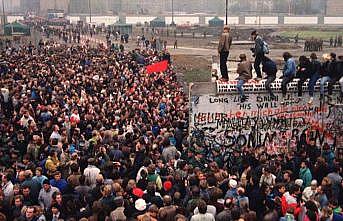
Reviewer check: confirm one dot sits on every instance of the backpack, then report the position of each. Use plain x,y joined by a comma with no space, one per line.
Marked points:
265,47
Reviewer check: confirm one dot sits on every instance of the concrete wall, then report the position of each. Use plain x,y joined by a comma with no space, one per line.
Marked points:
263,20
300,20
108,20
184,20
223,119
234,20
333,20
231,20
139,19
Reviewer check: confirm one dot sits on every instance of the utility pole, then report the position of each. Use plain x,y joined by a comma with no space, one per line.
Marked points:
289,7
226,9
3,15
172,23
90,11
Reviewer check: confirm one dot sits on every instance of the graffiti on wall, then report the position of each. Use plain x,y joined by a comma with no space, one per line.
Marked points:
263,121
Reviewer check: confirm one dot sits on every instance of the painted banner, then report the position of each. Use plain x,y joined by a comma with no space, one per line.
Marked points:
262,121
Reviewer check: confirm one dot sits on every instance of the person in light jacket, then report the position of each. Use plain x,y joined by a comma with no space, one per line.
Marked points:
45,195
202,215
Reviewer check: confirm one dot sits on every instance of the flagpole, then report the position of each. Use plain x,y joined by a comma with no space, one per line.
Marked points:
3,15
172,13
226,8
90,11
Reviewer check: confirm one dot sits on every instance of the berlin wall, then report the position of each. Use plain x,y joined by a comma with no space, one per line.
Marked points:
220,118
203,20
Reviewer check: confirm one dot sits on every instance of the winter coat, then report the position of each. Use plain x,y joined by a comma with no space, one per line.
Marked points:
244,70
306,176
288,201
269,67
258,45
225,42
289,68
304,70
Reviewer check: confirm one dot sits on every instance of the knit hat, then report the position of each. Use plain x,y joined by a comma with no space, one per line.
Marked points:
137,192
314,183
299,182
46,181
140,205
233,183
167,185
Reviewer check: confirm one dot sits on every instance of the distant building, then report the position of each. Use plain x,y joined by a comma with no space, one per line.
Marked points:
30,6
115,6
84,6
45,5
334,7
12,6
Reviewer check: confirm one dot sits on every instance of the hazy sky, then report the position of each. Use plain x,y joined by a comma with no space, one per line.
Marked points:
164,6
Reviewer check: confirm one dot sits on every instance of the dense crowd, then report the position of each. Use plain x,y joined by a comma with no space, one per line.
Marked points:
87,134
313,44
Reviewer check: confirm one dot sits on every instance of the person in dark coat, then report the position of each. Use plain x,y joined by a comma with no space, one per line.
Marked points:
303,73
320,169
269,67
32,184
258,53
255,194
336,77
329,71
314,75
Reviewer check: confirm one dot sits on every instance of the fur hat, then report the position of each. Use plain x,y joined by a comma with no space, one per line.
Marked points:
140,205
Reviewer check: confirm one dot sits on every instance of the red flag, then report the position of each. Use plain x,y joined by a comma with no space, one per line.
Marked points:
157,67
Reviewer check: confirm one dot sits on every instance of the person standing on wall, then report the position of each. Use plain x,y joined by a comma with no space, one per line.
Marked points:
225,42
259,53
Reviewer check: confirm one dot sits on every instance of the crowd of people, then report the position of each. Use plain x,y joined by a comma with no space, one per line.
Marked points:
337,41
88,134
313,44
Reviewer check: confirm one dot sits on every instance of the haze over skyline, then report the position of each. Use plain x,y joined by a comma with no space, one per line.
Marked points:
156,7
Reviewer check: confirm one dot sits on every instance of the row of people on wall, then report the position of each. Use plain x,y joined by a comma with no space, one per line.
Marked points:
328,71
